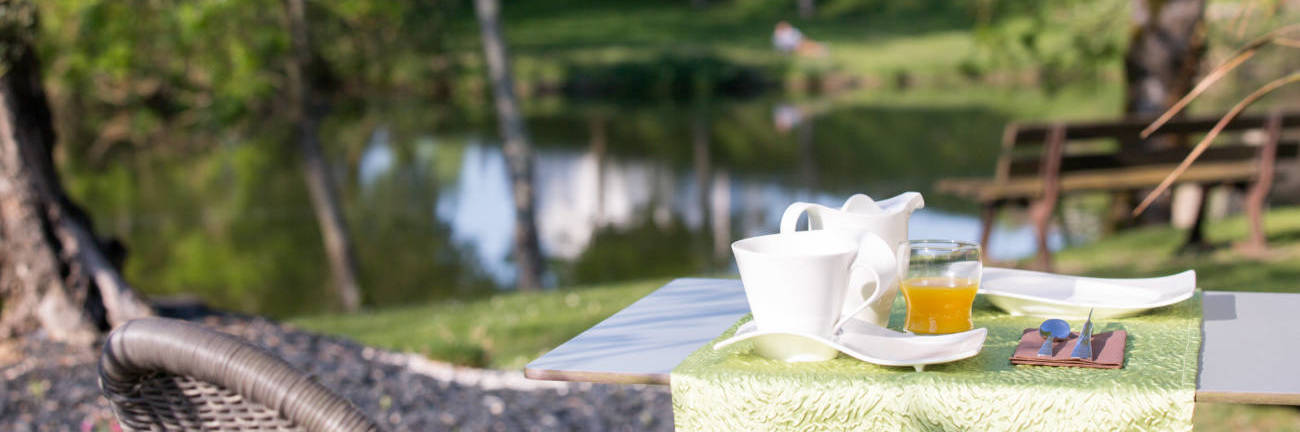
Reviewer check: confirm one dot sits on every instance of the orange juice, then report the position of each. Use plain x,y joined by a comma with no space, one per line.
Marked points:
939,305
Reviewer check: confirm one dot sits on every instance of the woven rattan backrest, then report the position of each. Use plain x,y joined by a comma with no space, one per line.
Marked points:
162,374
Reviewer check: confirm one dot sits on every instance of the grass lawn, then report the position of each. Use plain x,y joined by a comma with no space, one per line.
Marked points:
925,42
508,330
504,331
586,27
875,40
1215,417
1153,252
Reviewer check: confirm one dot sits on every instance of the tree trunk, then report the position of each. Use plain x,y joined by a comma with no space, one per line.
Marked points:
720,216
701,159
53,274
1164,56
807,153
320,184
807,9
518,149
598,140
1165,50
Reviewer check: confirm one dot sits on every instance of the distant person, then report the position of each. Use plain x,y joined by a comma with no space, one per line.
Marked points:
788,39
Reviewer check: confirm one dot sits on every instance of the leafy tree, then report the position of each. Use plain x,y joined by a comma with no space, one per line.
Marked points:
140,74
1059,41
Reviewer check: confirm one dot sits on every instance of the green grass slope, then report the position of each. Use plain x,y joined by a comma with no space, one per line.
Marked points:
504,331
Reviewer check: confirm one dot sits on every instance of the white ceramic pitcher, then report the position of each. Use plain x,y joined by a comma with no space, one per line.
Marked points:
859,216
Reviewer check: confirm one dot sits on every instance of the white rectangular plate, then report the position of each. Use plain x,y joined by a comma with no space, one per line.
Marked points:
1024,292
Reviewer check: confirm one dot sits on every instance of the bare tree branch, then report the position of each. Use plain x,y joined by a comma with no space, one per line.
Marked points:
1209,137
1243,15
1242,54
1287,42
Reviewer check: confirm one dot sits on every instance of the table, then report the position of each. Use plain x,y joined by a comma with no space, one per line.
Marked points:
641,344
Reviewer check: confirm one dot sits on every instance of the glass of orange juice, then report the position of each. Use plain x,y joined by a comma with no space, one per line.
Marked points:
939,281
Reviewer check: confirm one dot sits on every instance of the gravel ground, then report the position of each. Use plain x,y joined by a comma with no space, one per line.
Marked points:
50,386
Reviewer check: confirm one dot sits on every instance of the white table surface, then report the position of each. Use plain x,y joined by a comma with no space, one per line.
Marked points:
1250,347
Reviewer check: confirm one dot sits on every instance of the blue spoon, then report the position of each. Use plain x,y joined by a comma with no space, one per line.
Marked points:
1052,330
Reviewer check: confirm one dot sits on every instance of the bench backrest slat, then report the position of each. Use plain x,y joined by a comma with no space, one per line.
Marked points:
1025,166
1023,144
1029,135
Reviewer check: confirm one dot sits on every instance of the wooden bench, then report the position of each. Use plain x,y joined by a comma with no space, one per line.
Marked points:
1039,162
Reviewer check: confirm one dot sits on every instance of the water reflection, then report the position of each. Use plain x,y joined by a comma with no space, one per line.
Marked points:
377,159
621,193
581,195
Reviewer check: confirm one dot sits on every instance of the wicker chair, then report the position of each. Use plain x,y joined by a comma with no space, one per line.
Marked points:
162,374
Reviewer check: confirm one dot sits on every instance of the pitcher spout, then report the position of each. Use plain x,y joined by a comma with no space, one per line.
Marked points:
906,202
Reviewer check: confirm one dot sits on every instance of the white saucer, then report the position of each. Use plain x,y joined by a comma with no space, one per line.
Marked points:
877,345
1024,292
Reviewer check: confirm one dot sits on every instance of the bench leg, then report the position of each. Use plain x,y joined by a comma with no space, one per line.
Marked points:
1042,208
988,213
1117,216
1256,244
1258,195
1196,234
1041,214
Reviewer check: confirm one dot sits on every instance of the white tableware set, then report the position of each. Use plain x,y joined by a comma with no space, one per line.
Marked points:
829,290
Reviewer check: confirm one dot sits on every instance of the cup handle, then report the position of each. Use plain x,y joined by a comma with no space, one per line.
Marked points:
790,219
872,250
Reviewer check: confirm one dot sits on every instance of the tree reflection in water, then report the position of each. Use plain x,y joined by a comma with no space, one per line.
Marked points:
628,193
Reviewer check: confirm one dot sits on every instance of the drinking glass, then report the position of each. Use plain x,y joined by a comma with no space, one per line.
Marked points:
939,281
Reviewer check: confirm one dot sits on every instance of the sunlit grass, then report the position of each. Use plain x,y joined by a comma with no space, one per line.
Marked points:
504,331
1215,417
880,44
1153,251
1084,102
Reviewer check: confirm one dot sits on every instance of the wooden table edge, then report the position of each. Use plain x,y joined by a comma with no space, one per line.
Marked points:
596,377
1247,398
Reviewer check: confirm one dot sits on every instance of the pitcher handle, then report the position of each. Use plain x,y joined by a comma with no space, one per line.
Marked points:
862,271
790,219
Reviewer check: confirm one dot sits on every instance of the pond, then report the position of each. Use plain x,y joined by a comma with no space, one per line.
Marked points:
623,192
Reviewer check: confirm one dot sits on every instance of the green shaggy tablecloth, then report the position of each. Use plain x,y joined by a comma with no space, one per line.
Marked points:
735,390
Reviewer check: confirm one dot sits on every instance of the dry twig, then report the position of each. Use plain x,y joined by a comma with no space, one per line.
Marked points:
1277,36
1209,137
1243,54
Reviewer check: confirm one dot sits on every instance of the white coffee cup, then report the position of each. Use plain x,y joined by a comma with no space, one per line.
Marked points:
796,284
